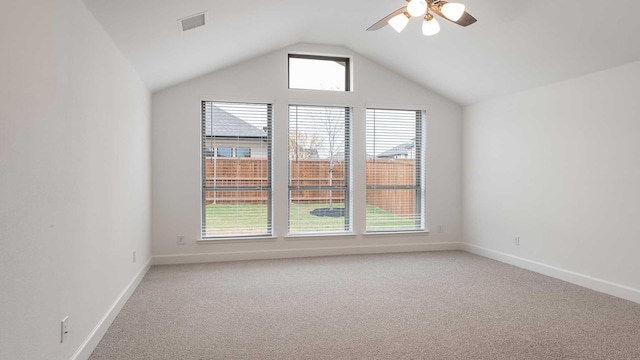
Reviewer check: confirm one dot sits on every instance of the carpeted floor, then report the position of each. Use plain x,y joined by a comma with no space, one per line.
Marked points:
431,305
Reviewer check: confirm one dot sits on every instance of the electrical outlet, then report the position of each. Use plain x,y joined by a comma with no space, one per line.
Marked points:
134,256
181,240
516,240
64,329
440,228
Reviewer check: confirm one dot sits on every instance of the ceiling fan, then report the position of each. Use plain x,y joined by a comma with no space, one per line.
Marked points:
399,19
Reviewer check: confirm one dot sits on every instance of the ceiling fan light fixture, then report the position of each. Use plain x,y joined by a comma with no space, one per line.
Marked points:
430,26
417,7
427,10
453,11
399,22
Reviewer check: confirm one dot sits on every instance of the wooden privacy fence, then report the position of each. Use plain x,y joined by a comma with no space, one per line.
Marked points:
253,172
392,172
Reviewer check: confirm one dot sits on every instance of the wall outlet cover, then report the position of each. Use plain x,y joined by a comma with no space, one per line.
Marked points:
64,329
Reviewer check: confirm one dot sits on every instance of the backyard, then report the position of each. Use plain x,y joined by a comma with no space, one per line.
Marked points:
224,219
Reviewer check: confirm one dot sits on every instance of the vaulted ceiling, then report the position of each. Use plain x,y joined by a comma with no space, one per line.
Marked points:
515,45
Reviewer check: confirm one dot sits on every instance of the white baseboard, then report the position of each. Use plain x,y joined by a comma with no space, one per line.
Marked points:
297,253
90,343
590,282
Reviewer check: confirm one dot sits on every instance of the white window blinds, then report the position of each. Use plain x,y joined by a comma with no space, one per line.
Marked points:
319,169
395,170
236,169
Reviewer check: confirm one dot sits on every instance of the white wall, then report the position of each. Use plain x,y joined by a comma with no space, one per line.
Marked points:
176,158
558,166
74,177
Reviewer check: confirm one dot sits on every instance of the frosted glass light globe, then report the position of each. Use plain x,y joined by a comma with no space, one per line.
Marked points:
453,11
399,22
417,7
430,27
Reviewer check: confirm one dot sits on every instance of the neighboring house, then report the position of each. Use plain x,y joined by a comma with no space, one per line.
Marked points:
229,136
402,151
301,152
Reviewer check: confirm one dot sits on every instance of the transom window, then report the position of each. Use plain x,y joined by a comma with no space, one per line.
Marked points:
236,178
319,73
395,170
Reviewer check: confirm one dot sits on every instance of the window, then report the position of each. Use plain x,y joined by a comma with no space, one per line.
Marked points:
225,152
243,152
395,170
319,169
236,191
319,73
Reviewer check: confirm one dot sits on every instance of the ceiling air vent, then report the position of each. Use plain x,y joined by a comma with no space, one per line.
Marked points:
193,21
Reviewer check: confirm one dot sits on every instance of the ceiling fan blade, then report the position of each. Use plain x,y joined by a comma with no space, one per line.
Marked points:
465,20
383,22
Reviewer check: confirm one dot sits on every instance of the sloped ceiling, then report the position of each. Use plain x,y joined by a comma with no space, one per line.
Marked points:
515,45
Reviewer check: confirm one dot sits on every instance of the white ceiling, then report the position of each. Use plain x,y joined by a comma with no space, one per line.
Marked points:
515,45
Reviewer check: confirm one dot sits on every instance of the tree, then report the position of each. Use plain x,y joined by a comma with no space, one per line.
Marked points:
332,122
318,132
303,145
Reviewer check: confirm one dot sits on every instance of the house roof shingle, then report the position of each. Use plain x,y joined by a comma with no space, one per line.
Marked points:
229,125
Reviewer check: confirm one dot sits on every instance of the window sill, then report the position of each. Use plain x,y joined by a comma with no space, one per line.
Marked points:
300,237
209,241
401,233
306,237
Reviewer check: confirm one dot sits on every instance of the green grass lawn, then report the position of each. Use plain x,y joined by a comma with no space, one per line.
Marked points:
223,219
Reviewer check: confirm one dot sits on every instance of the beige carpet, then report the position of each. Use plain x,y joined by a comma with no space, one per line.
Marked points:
435,305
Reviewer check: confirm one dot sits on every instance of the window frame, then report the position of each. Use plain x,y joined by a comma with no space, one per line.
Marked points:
348,175
204,189
339,59
419,186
